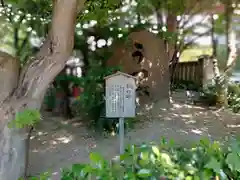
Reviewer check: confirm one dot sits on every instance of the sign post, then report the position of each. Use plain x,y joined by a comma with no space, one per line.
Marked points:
121,135
120,100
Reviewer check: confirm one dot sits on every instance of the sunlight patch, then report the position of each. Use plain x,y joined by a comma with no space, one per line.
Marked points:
233,125
186,115
196,131
40,133
190,122
65,139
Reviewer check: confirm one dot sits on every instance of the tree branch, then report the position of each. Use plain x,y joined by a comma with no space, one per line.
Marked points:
232,53
159,18
194,39
38,73
9,17
2,3
23,44
190,12
183,26
195,8
15,37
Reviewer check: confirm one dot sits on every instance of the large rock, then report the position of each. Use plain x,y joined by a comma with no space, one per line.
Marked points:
9,73
144,51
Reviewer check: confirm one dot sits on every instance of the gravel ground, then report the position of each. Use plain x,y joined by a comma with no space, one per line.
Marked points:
58,142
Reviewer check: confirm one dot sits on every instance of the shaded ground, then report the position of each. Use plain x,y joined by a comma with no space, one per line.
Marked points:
59,143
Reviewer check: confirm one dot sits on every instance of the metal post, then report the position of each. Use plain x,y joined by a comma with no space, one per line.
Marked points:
121,134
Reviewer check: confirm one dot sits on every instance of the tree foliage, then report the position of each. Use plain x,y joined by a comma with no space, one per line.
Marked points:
36,16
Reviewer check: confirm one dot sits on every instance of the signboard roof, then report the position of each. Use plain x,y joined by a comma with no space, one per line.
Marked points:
119,73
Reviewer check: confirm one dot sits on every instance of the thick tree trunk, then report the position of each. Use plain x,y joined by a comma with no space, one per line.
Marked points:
228,19
172,28
171,45
33,83
222,86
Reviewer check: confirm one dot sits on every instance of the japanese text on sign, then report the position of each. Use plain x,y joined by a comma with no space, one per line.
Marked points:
120,96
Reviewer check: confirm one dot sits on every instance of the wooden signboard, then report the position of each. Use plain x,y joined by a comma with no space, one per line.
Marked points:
120,100
120,95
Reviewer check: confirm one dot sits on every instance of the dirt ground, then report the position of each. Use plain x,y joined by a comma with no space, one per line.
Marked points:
58,143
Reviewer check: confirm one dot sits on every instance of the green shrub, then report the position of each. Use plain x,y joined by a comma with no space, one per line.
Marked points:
50,98
90,105
184,84
94,89
203,161
25,118
234,97
209,95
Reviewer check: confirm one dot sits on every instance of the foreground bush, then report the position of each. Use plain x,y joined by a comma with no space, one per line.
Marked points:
204,161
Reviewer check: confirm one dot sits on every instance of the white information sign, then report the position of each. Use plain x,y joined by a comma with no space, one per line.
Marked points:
120,95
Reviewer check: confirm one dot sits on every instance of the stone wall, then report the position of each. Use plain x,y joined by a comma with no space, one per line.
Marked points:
144,55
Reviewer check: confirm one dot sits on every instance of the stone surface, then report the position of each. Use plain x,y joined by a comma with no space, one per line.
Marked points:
153,64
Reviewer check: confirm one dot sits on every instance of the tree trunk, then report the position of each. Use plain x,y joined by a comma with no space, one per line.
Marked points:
228,19
172,28
171,45
33,83
214,40
222,86
25,175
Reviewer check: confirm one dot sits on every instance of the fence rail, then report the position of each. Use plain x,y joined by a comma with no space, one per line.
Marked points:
198,72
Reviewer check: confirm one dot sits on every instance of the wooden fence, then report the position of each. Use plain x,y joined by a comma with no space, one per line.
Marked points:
197,73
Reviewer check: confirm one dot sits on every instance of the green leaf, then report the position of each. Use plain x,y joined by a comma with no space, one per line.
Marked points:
145,156
233,161
77,168
156,150
95,157
189,178
205,142
214,164
166,160
235,146
143,173
28,117
45,176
